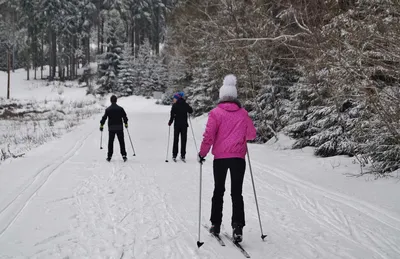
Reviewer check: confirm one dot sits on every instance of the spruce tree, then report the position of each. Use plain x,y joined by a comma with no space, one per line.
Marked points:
109,67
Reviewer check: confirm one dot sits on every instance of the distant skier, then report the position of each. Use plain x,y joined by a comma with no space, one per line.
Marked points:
179,114
116,115
228,129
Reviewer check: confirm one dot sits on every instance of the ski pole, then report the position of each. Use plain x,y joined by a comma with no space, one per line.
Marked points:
101,140
134,154
199,244
169,136
255,195
194,138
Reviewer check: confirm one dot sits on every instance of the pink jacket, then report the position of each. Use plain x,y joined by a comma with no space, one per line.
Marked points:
228,129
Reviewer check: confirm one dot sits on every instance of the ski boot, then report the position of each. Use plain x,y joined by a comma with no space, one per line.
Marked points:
183,159
237,232
108,159
215,229
174,159
124,158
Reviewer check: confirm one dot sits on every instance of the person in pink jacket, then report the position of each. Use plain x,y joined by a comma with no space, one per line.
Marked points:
228,129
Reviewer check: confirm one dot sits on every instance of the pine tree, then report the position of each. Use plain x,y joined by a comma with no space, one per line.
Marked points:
126,77
177,72
109,67
150,72
202,92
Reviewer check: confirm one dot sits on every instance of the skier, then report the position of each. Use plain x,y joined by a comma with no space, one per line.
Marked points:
115,114
179,114
228,129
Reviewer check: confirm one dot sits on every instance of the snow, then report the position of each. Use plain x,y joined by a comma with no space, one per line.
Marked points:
63,200
20,88
51,109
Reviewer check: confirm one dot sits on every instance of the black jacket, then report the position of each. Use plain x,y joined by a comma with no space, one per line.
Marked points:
179,113
115,115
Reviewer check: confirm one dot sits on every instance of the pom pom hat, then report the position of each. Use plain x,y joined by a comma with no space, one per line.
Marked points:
179,95
228,89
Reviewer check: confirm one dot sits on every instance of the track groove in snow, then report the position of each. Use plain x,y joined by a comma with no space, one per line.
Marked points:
378,214
13,209
371,230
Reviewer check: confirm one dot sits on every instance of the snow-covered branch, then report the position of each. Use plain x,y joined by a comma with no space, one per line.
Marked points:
281,37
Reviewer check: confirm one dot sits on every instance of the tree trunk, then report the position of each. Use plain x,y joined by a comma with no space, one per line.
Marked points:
28,57
137,39
35,47
127,30
8,73
98,38
42,59
13,59
73,57
54,54
50,53
60,67
87,50
60,72
156,38
34,55
133,38
102,37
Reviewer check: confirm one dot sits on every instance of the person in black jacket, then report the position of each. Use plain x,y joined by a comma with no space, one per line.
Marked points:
179,114
115,114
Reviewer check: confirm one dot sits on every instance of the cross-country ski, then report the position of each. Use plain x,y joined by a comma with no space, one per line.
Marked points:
216,237
237,245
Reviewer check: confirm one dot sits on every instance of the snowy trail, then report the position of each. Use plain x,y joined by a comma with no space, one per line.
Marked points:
11,211
355,222
70,203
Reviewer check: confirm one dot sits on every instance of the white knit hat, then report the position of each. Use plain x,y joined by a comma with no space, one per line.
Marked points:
228,89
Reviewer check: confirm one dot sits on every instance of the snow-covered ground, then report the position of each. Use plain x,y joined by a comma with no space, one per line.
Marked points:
39,90
63,200
39,111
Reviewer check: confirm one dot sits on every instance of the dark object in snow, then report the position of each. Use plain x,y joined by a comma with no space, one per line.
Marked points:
115,115
179,115
346,105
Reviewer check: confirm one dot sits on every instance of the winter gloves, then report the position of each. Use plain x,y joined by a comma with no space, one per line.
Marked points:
126,125
169,123
200,159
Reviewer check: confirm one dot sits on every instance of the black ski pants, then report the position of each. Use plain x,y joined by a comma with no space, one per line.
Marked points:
182,131
237,168
111,137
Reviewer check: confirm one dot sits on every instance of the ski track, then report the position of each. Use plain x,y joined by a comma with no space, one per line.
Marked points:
361,223
137,209
12,210
124,214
